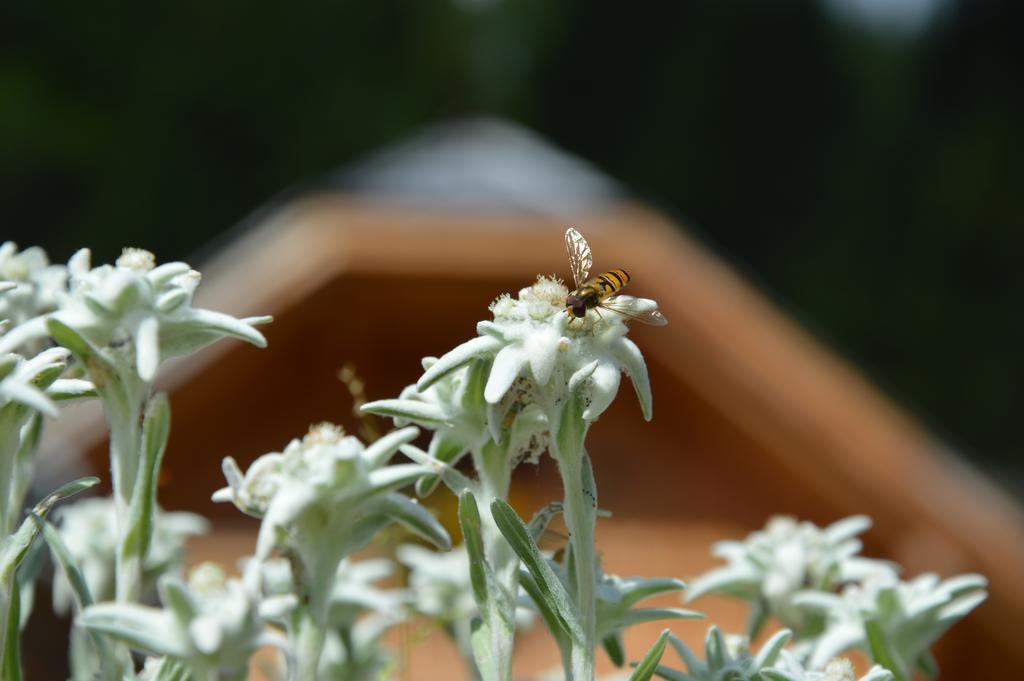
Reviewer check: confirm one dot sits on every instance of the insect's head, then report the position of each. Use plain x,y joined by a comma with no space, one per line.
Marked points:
574,306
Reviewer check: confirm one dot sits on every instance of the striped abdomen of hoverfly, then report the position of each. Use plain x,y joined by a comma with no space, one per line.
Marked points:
596,290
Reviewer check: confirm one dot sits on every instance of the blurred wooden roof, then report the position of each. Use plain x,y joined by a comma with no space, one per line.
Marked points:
752,416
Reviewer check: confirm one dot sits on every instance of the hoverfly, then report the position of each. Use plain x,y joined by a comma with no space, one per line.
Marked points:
600,292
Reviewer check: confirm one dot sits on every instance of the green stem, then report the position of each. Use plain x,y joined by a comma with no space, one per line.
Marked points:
316,573
579,512
22,471
579,519
495,477
8,449
309,643
124,402
12,417
125,449
491,462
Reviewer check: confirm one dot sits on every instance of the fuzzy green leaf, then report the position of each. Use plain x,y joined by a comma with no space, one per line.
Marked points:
424,413
548,585
445,450
641,615
14,547
139,626
155,431
928,665
453,479
636,590
776,675
615,647
62,557
414,517
485,592
646,667
472,535
10,666
79,590
552,620
382,449
69,338
456,358
881,652
771,648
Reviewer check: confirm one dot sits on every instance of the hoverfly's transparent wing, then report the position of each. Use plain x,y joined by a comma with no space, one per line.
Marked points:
635,309
580,258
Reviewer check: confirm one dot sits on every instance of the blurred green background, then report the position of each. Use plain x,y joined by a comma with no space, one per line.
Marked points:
860,160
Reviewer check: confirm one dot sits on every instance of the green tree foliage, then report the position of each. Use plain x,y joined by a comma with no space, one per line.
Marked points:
869,180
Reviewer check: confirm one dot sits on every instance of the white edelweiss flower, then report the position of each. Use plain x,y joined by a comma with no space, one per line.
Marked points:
909,615
772,565
325,496
789,668
89,530
210,624
359,613
34,285
512,381
137,308
355,591
26,382
439,582
252,492
531,338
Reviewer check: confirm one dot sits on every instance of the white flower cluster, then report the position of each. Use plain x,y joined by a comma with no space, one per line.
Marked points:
439,583
511,382
540,355
88,529
25,382
814,581
328,489
209,624
772,565
133,305
322,498
354,591
789,668
35,285
359,613
28,387
910,615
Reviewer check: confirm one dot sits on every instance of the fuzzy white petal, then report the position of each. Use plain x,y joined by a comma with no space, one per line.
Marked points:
206,633
507,365
582,374
455,358
834,641
23,333
147,350
30,396
604,383
629,356
542,349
